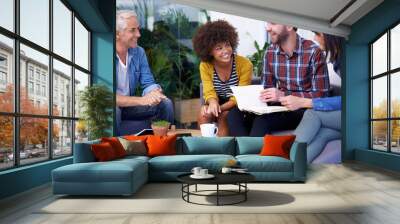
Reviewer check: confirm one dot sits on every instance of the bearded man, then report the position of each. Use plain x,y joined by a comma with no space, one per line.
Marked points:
292,66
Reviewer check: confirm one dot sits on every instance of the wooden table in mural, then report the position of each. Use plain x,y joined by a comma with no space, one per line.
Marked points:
193,132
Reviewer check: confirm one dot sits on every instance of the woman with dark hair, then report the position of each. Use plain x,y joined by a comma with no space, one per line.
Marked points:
215,43
322,123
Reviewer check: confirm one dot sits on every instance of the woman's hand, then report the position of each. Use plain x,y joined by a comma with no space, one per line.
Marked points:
203,111
213,107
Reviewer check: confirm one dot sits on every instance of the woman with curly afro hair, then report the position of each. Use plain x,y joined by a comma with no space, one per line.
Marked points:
215,43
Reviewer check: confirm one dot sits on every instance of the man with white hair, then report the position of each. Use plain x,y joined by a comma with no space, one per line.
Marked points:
135,113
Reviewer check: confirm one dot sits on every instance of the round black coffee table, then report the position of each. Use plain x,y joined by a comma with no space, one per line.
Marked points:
238,179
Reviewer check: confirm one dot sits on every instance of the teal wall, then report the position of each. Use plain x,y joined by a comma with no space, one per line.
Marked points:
103,62
356,108
24,178
99,16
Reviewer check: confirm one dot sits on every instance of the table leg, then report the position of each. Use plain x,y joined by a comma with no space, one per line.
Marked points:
217,194
245,191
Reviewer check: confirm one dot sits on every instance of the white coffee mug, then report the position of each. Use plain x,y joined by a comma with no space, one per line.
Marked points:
196,170
203,172
226,170
208,130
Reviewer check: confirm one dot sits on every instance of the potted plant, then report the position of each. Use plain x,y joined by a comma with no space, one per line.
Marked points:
160,127
96,102
258,58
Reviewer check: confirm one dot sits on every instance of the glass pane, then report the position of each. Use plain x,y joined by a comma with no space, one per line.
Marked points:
395,47
33,139
7,14
62,141
6,142
395,95
379,98
6,74
81,45
395,136
379,135
379,55
81,131
34,97
62,29
35,21
62,89
81,81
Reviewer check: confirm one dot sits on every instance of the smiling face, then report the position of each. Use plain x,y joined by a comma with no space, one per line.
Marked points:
129,36
222,52
278,33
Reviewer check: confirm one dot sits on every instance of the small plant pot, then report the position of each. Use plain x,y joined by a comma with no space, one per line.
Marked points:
161,131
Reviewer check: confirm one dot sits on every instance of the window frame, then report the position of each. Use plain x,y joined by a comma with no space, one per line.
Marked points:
16,114
388,74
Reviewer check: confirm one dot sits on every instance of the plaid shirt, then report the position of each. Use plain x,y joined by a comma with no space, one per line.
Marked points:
304,74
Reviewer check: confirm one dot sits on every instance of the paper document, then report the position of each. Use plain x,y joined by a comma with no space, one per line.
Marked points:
247,98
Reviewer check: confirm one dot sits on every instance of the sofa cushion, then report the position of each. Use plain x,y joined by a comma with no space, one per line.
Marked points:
185,163
249,145
277,145
103,151
112,171
208,145
116,145
135,137
161,145
257,163
136,147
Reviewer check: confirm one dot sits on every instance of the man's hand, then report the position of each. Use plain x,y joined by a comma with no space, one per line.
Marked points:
295,102
213,107
153,98
271,95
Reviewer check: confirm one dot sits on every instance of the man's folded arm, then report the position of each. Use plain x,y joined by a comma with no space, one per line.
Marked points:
129,101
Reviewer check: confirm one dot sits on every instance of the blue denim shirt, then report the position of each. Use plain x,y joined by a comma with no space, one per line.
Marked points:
327,103
138,71
139,74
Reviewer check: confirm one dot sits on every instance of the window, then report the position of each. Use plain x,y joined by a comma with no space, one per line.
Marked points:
44,91
30,72
385,96
30,87
35,22
37,75
43,77
38,89
7,14
62,29
81,45
3,72
45,131
3,78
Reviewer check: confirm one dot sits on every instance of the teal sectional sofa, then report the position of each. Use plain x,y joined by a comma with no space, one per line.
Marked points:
125,176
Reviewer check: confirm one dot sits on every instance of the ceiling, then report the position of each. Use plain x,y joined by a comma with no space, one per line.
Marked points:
328,16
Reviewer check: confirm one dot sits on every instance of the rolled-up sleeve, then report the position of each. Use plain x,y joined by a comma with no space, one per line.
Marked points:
146,78
327,103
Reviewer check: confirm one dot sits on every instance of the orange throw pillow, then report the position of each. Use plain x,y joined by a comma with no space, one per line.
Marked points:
103,151
135,137
161,145
116,145
277,145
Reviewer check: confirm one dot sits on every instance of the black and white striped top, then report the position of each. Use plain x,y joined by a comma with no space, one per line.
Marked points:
222,88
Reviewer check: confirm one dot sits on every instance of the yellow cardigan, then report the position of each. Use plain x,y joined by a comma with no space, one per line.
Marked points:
244,69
